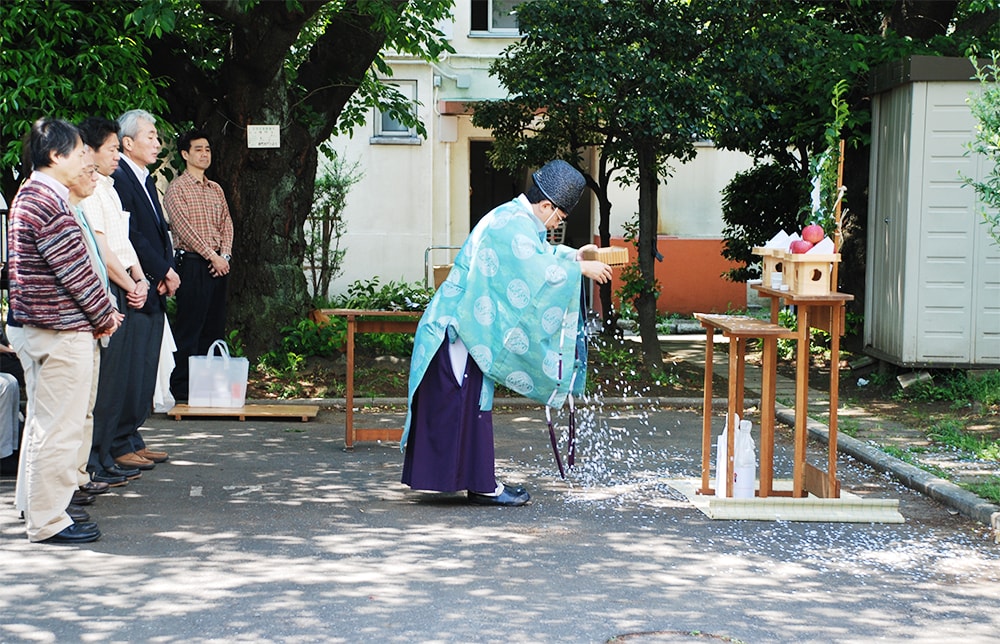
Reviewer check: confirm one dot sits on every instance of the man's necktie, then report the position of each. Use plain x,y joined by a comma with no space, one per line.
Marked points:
153,197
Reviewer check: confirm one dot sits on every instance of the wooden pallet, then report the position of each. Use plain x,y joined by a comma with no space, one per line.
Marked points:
304,412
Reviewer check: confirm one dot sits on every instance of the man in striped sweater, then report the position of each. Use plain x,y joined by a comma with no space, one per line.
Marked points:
58,308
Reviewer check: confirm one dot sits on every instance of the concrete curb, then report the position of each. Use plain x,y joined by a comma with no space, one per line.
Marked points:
913,477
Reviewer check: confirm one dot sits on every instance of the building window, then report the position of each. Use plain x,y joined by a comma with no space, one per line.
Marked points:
495,16
390,130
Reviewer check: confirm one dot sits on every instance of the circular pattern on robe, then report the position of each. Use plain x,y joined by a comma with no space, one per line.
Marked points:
555,275
570,322
487,262
523,246
518,293
419,353
500,218
516,341
552,319
484,310
483,357
551,365
520,382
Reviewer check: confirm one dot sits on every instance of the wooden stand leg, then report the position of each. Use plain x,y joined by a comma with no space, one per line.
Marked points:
835,331
706,425
767,391
349,395
735,407
801,401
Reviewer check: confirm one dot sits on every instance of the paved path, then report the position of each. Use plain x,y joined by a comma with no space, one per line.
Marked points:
270,531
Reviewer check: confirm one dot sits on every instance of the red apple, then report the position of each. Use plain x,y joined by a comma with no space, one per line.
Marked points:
813,233
800,246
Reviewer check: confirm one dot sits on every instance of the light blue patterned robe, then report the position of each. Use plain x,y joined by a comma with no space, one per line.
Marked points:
514,300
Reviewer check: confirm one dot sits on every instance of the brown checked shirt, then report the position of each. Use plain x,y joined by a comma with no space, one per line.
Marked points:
199,216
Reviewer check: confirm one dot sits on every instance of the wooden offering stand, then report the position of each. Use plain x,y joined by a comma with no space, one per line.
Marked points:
822,311
366,321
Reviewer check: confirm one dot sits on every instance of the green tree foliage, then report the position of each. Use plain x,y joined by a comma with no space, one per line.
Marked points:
756,204
777,72
986,109
312,67
66,60
623,75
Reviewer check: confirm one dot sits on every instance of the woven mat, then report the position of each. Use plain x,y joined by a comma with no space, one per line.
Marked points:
849,508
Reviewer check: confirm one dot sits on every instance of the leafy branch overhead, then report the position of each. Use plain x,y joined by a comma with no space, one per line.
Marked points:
985,106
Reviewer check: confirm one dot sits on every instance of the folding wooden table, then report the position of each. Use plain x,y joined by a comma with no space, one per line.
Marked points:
368,321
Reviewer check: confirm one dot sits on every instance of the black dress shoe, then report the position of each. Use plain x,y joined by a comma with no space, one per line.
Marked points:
78,514
509,497
81,498
94,487
128,472
112,480
76,533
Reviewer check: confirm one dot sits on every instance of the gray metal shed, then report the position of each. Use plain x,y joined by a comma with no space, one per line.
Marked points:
932,278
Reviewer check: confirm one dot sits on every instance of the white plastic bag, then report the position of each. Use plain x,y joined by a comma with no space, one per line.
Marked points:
217,380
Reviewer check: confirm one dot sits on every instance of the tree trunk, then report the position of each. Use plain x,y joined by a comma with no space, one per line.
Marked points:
645,304
270,190
604,232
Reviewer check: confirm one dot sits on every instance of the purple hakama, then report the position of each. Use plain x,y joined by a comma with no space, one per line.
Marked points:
450,446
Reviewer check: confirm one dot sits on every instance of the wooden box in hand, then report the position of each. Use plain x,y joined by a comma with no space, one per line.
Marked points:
612,255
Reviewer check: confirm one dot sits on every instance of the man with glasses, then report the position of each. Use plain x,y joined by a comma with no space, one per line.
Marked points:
58,306
511,303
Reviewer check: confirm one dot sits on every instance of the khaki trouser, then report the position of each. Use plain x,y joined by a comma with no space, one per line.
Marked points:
58,376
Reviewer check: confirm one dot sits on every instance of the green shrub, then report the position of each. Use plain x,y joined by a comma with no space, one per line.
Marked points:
957,387
757,204
310,339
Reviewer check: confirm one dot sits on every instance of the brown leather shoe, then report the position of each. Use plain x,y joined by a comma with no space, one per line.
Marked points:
156,457
81,498
94,487
134,461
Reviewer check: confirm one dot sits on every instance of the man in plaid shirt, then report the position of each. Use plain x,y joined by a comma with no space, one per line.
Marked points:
203,240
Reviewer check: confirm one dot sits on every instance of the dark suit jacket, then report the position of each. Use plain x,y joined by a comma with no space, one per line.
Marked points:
148,233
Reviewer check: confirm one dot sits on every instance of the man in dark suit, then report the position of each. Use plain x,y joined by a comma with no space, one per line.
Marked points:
151,240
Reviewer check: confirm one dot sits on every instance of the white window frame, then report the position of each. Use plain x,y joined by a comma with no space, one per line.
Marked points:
402,135
499,31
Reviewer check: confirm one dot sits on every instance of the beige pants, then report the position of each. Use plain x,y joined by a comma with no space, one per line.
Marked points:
58,377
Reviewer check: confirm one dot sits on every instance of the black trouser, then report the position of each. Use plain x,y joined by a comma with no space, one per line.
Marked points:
201,316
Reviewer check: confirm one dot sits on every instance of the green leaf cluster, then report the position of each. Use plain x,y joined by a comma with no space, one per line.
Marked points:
985,107
67,60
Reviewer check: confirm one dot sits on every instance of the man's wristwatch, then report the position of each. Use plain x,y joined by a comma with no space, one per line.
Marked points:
227,257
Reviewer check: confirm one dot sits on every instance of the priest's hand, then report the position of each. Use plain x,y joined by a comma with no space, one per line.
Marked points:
595,270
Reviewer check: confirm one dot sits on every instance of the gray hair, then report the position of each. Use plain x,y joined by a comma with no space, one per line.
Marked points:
129,122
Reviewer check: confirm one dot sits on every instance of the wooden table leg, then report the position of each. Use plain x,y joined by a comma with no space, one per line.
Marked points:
801,402
767,392
734,399
706,424
349,395
831,466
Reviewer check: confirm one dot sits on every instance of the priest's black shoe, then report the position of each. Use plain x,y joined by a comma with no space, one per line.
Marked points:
76,533
509,497
77,513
